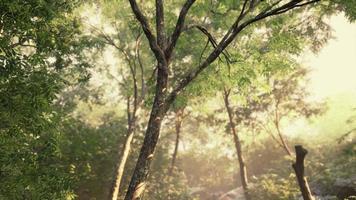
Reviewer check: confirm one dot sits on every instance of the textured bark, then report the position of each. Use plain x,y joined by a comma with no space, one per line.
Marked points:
178,125
159,109
137,184
237,141
161,38
298,167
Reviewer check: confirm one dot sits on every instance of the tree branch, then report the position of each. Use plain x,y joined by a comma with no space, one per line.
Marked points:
212,40
161,40
178,28
242,13
158,52
139,60
229,37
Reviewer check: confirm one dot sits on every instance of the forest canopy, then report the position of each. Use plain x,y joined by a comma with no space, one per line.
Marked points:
177,100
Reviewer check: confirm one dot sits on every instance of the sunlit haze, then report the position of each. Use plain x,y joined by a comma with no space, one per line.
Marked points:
334,67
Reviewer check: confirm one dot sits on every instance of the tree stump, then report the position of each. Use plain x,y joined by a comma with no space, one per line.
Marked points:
298,167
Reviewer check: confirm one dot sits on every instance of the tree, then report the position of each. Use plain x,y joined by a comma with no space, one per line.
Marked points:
237,141
131,79
134,94
278,47
179,115
163,47
40,45
131,122
288,99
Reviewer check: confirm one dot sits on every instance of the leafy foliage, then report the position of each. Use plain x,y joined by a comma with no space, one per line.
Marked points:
60,139
38,39
29,136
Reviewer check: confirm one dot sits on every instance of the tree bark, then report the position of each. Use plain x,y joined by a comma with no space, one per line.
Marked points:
137,184
298,167
178,125
159,109
237,141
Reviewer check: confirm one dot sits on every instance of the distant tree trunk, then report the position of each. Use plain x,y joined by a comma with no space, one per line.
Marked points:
131,123
279,132
283,141
133,100
178,125
243,170
298,167
121,165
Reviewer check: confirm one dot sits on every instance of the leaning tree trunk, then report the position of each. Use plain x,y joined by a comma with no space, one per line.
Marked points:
243,170
279,132
131,122
138,180
178,125
159,109
298,167
121,165
283,140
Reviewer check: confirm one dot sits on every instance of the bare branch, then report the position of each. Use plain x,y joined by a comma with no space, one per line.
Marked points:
139,60
212,40
202,52
268,130
128,111
242,13
158,52
178,28
132,66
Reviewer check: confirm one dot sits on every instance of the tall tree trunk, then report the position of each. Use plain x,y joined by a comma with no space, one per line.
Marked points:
121,165
131,121
178,125
158,111
298,167
137,184
243,170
